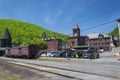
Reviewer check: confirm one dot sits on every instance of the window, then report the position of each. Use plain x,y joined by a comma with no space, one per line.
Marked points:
107,43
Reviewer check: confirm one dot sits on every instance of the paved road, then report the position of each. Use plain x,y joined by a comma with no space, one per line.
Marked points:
105,68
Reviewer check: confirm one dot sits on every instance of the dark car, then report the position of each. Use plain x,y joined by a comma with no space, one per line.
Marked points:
65,53
90,55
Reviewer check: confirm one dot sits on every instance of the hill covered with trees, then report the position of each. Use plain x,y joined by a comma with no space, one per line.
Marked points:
23,33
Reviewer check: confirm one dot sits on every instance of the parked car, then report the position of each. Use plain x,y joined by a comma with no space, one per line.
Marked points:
90,55
53,54
101,50
65,53
43,54
50,54
76,54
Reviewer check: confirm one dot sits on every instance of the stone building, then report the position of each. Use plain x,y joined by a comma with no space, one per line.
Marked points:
76,39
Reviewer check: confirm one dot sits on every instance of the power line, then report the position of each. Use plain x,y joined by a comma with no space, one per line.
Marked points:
96,26
70,34
99,25
93,17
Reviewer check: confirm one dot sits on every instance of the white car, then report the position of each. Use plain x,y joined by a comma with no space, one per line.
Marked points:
50,54
101,50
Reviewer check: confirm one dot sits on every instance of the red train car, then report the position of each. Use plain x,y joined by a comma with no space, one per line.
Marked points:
30,51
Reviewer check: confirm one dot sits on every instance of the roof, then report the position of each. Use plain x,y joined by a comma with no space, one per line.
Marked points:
115,38
53,38
76,37
6,34
81,47
2,49
95,35
76,26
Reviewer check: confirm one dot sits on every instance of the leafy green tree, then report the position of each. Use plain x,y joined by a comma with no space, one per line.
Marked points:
115,32
23,33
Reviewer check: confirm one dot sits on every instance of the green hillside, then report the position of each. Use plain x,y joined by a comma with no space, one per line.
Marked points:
115,32
23,33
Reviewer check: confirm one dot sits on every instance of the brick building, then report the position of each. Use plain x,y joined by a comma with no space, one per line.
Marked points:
101,41
54,43
76,39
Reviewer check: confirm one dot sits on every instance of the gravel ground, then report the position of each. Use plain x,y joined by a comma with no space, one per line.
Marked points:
4,75
14,72
107,66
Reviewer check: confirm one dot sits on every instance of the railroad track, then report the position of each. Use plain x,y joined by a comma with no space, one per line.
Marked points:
72,74
38,68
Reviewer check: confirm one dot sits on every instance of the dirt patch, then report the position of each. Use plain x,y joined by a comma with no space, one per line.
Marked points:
15,72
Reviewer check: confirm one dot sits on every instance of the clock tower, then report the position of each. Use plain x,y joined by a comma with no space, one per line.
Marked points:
76,31
76,39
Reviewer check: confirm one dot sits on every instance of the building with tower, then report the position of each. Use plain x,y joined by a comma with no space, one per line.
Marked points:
76,39
53,43
5,40
76,31
100,41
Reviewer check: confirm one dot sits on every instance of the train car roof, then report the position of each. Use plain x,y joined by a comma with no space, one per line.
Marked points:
19,46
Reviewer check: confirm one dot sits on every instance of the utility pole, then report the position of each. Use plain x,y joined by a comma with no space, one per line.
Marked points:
119,28
54,39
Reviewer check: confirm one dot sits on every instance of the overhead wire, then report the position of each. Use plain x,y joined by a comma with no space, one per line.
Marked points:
101,14
96,26
93,27
93,17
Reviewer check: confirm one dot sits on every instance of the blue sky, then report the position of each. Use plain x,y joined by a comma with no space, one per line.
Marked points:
62,15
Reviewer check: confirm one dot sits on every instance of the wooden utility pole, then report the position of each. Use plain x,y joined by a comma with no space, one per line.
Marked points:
119,28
